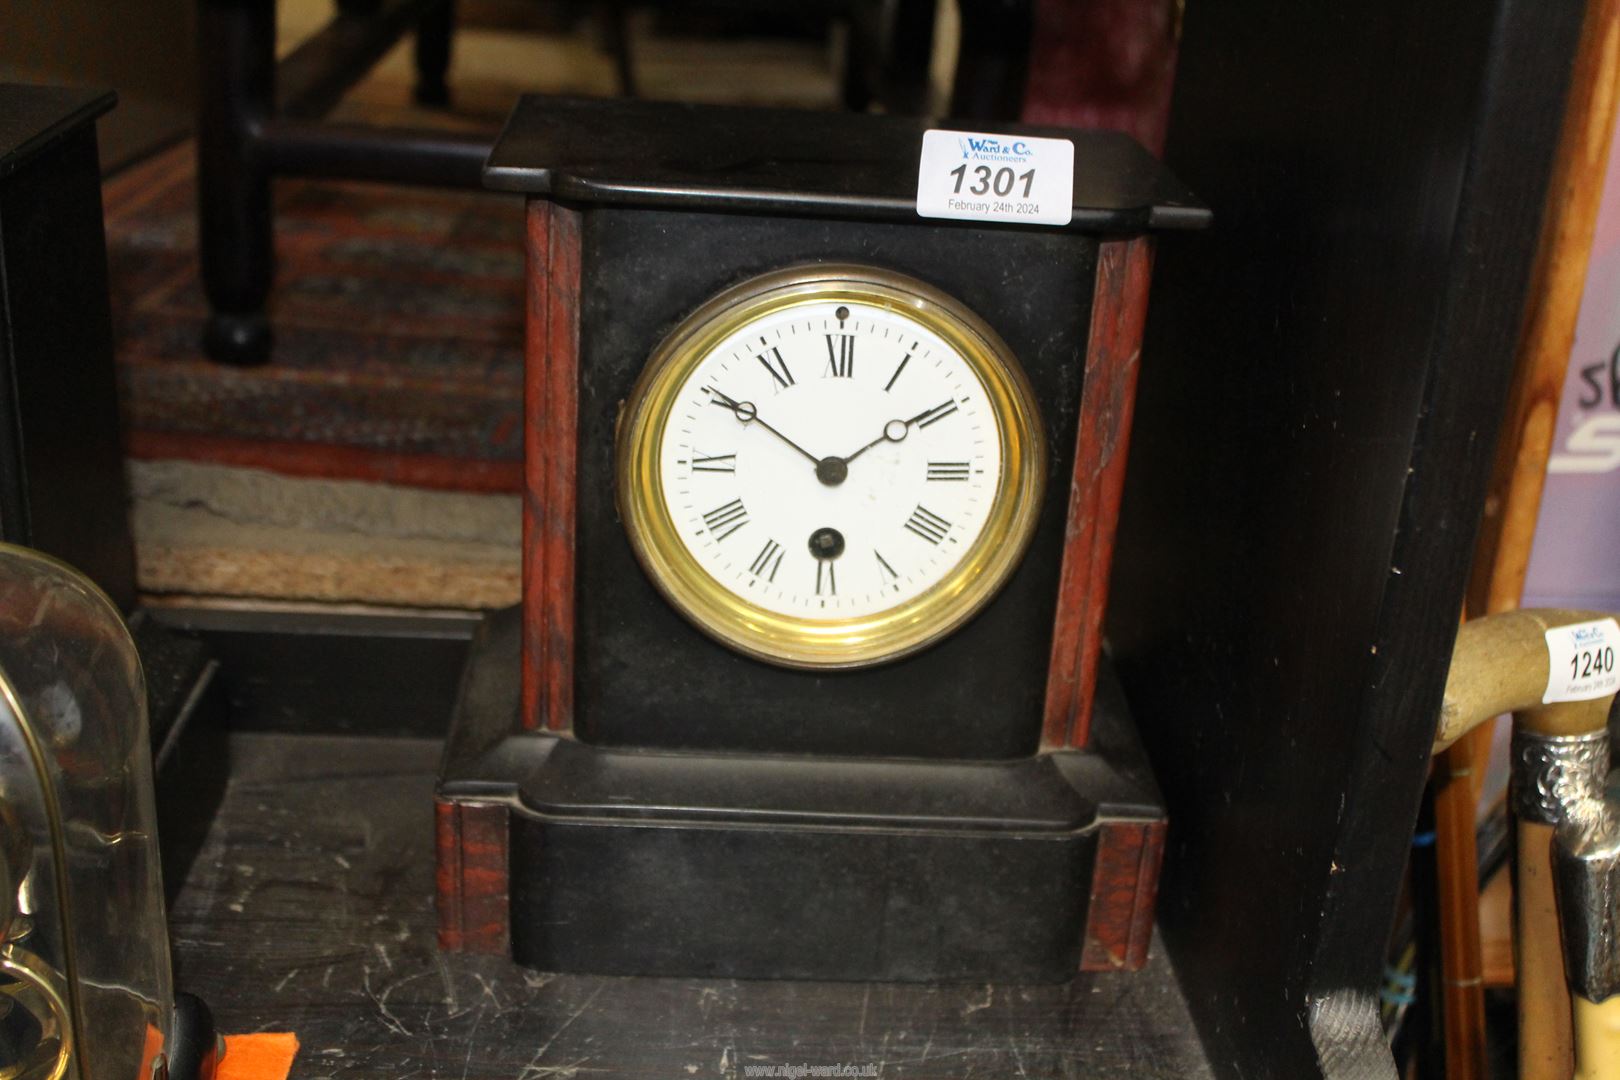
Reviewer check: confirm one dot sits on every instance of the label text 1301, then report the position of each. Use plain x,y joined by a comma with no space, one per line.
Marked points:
985,180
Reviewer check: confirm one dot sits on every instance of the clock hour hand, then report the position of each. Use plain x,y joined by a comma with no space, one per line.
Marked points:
893,431
748,413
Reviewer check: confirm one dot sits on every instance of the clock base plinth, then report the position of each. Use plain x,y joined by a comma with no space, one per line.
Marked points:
611,860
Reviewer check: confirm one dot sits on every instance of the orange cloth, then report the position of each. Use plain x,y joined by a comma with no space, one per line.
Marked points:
153,1047
267,1056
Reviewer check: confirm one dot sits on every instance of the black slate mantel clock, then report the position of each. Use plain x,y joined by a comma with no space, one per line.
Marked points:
819,510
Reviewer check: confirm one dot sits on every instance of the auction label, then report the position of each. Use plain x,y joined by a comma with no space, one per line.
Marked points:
1581,661
977,177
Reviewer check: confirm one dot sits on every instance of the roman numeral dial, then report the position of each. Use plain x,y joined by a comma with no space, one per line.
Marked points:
838,459
928,525
771,360
841,356
767,562
829,478
726,519
718,463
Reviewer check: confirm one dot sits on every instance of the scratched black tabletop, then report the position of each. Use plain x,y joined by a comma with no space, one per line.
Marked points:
310,909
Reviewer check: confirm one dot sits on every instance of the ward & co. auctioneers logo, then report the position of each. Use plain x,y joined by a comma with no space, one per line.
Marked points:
986,148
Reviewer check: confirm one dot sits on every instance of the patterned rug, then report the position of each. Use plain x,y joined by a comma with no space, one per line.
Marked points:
398,319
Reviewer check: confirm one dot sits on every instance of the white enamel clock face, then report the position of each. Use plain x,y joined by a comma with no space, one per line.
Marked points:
830,460
830,466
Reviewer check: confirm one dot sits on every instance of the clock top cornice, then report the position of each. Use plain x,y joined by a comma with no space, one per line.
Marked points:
736,159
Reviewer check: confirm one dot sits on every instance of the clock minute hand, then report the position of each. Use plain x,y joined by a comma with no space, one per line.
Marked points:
748,413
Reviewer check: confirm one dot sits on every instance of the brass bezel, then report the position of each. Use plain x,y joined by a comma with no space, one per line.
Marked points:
861,641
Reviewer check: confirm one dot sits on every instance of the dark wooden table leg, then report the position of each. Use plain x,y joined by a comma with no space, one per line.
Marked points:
433,36
891,46
237,40
863,57
616,28
992,66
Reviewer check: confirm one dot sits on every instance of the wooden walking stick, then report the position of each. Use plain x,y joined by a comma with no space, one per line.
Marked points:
1515,662
1502,555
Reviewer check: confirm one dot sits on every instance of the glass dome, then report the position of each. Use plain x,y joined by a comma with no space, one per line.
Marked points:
85,983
